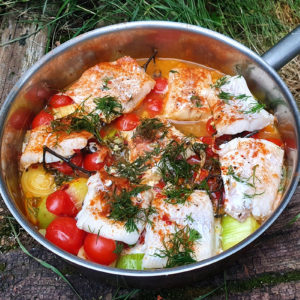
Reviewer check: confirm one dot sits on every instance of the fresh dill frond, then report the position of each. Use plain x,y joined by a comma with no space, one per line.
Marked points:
173,71
134,170
106,81
242,97
220,82
177,195
256,108
150,128
173,164
225,96
60,178
196,100
109,106
122,208
178,249
189,218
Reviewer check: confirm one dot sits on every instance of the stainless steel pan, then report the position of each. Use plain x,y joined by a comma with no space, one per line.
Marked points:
65,64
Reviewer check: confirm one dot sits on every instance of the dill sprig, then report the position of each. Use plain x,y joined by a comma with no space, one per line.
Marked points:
78,121
109,106
106,81
122,208
177,195
60,178
196,100
220,82
133,171
225,96
150,128
256,108
173,164
250,181
179,247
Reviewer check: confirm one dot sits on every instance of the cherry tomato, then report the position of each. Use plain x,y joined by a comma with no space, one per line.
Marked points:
60,100
20,119
38,93
154,104
42,118
127,122
161,85
210,127
64,233
277,142
60,204
65,168
92,162
207,140
100,249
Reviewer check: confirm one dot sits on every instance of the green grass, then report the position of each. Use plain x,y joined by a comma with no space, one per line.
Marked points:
257,25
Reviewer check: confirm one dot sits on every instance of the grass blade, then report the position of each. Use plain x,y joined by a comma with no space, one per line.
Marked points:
43,263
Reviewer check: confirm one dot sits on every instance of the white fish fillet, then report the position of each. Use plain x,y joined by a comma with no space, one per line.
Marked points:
61,142
251,172
123,79
93,217
196,212
235,115
189,90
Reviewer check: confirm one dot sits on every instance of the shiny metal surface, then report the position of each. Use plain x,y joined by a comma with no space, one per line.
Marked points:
65,64
284,51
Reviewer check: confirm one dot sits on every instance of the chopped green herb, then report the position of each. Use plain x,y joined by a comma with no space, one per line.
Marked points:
225,96
173,164
122,208
242,97
133,171
106,81
189,218
196,100
283,179
178,249
220,82
60,178
79,121
177,195
109,106
119,248
173,71
250,181
199,148
256,108
150,128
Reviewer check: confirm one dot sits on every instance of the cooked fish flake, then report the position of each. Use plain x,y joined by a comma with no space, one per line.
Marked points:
251,172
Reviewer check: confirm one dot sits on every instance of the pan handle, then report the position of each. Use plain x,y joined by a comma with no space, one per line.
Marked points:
284,51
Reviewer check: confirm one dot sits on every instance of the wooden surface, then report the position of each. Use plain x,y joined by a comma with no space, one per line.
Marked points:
270,269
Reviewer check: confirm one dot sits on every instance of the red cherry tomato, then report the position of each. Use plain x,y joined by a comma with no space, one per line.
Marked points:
207,140
127,122
38,93
92,162
154,104
209,152
42,118
60,204
60,100
277,142
161,85
64,233
65,168
20,119
100,249
210,127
